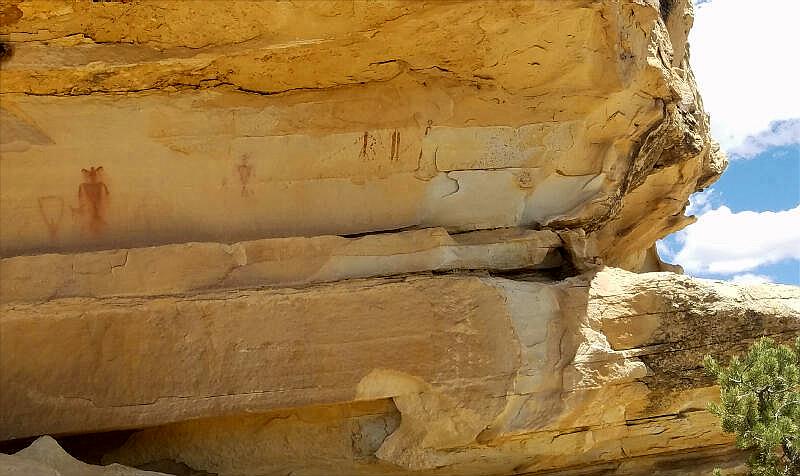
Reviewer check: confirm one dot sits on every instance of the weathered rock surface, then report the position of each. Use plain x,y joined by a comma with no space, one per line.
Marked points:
316,118
191,267
359,238
45,458
474,375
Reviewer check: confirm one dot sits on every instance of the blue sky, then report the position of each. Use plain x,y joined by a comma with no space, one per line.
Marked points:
748,227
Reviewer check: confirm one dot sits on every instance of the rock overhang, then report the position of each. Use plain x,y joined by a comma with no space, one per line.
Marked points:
228,226
462,115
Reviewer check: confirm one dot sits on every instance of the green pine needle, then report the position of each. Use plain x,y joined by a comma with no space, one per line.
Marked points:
760,403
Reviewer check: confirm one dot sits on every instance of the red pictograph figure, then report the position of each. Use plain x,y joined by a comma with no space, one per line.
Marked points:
395,153
245,171
51,208
367,151
93,198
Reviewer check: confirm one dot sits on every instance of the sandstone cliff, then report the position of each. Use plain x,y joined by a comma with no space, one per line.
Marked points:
231,121
360,238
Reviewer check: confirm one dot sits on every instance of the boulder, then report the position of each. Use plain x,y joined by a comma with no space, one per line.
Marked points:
46,458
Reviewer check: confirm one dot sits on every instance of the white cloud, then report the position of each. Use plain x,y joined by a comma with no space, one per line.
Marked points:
664,250
779,133
722,242
700,202
744,54
750,278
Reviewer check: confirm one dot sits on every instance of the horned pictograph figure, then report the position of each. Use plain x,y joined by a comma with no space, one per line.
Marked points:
93,198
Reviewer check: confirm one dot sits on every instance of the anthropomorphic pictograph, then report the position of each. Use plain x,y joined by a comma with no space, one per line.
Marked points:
395,152
245,171
93,198
51,208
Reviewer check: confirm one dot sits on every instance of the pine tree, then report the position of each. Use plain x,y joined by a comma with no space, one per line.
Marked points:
760,403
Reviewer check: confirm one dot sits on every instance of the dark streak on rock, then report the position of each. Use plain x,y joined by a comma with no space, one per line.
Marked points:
665,8
6,51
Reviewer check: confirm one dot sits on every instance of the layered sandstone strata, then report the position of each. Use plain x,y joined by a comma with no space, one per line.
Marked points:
459,374
360,238
128,124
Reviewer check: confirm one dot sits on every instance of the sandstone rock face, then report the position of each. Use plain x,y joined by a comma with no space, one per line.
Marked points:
125,124
192,267
444,375
359,238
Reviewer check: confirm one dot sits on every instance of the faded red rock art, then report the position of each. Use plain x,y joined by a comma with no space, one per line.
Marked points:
51,208
93,198
245,172
395,153
367,147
